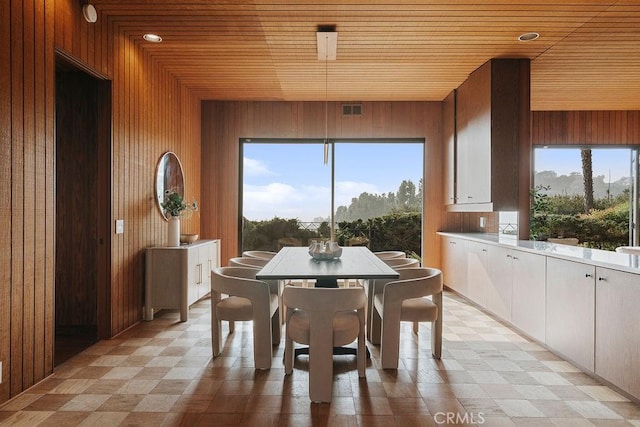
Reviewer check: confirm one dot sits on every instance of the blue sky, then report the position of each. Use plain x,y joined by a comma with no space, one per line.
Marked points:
291,180
606,161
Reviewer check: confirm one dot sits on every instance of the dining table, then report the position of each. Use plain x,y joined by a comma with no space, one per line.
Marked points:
355,262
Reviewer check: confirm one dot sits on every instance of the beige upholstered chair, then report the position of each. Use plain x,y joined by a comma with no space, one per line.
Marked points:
390,254
248,262
323,318
631,250
376,286
236,295
404,300
259,254
401,262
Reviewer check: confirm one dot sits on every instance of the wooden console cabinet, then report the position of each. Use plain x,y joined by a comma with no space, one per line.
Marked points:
176,277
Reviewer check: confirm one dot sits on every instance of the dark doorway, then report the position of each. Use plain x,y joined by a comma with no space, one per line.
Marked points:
83,208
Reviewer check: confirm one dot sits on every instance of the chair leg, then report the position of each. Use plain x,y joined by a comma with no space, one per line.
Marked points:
362,355
262,345
232,326
436,328
375,322
320,373
390,338
276,328
216,337
436,338
288,355
415,327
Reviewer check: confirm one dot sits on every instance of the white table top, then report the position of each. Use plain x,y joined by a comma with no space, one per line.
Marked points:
356,262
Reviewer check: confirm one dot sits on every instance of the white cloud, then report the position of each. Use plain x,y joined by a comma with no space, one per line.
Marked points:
306,202
254,167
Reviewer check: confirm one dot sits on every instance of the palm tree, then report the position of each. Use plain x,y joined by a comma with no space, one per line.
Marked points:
587,178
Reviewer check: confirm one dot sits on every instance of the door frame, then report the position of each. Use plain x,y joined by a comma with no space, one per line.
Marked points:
105,191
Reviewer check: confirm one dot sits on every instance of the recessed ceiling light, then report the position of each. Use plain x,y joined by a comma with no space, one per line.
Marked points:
153,38
527,37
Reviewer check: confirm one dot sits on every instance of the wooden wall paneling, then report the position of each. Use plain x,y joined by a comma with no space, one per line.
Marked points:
48,189
28,328
29,33
585,128
40,280
5,194
17,196
118,166
225,122
525,160
128,147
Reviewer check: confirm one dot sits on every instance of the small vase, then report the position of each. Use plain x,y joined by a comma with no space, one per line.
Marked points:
174,231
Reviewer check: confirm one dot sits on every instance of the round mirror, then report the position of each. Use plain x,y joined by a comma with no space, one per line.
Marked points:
169,177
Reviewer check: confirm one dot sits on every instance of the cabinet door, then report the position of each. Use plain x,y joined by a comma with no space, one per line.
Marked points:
477,274
528,299
499,289
474,138
454,272
617,339
205,260
194,274
570,313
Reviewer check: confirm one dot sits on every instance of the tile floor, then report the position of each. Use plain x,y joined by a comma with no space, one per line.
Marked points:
161,373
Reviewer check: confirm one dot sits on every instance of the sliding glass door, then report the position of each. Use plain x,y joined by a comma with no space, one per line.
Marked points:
368,193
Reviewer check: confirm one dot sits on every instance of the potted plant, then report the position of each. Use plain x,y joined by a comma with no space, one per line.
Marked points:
176,208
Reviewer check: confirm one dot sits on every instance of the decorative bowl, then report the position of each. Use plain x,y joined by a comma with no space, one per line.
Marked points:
188,238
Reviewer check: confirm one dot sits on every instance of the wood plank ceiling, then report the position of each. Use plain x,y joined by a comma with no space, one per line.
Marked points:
587,56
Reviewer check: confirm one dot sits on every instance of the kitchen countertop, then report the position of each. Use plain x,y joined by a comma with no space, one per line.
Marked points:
597,257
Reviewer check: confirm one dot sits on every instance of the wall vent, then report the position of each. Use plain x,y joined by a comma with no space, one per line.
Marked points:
351,109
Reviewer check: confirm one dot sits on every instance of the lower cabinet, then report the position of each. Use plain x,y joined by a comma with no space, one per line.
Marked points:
499,289
617,338
588,314
177,277
529,293
477,273
454,267
570,310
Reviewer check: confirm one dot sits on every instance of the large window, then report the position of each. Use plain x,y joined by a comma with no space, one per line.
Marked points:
584,195
368,192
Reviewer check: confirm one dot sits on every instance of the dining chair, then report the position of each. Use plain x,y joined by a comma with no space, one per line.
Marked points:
405,300
236,295
248,262
402,262
390,254
275,286
259,254
374,287
631,250
323,318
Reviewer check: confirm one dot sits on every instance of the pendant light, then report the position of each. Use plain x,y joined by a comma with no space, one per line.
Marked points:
327,43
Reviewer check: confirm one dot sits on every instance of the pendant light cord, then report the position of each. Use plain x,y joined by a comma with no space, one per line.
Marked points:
326,100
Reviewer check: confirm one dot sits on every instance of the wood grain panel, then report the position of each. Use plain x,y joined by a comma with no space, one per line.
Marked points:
6,158
585,58
152,112
17,199
585,128
224,123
